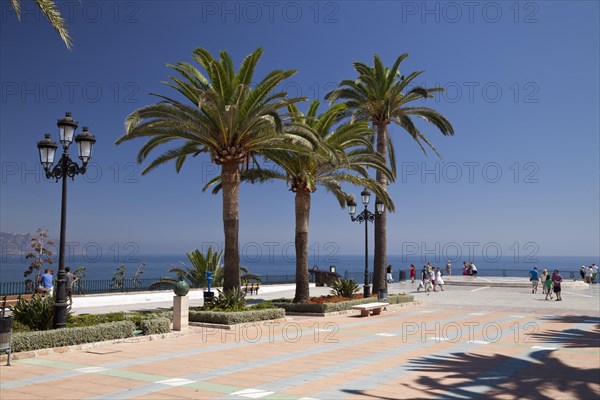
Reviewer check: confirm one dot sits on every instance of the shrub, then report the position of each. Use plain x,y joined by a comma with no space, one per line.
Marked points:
231,318
137,317
28,341
37,313
94,319
344,287
229,300
154,326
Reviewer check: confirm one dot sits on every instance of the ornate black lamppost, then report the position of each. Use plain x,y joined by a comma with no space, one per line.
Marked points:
365,216
65,167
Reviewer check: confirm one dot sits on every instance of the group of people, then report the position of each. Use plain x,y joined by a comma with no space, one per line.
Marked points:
550,283
431,278
45,283
589,274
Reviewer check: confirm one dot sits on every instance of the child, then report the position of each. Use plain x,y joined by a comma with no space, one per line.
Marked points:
548,286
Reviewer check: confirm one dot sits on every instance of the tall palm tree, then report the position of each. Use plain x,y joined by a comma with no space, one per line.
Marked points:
49,9
381,96
338,155
227,118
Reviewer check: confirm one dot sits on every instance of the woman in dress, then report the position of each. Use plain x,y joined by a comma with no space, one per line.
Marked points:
438,279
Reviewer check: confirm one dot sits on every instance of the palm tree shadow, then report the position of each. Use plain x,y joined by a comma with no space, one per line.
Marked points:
571,338
488,376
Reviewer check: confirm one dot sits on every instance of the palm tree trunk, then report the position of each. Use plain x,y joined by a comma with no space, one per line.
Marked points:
301,239
379,262
230,180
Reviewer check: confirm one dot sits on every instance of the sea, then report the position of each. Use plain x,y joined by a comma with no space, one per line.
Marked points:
157,266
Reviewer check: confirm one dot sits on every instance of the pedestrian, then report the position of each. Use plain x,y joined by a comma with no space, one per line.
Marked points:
473,269
548,286
594,273
589,271
412,273
389,277
424,284
582,272
431,277
543,280
448,268
465,268
70,279
438,279
556,280
534,278
46,286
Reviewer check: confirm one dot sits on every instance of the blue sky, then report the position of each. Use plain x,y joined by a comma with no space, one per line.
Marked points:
522,171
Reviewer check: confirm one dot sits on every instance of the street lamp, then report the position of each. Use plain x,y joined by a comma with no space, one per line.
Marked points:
365,216
65,167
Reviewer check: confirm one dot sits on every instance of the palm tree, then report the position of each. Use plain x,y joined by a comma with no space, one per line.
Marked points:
339,152
49,9
380,96
227,118
196,274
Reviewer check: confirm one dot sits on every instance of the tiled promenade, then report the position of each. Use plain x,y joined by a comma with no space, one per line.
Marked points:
435,349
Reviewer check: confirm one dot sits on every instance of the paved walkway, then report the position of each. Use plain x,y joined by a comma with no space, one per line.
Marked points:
458,344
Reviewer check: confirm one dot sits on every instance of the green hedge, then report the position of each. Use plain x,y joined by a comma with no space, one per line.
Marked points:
154,326
239,317
341,306
28,341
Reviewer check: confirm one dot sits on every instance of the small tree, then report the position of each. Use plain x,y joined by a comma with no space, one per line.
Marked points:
119,280
80,273
40,254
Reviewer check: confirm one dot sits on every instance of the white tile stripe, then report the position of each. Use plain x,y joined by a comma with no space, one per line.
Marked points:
386,334
252,393
175,382
91,370
543,348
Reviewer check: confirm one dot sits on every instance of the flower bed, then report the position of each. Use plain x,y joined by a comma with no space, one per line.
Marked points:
313,308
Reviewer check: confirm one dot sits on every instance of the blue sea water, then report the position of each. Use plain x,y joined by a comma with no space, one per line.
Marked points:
11,269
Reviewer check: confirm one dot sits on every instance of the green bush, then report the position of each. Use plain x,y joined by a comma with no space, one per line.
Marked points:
231,318
229,300
154,326
28,341
138,317
94,319
333,307
344,287
37,313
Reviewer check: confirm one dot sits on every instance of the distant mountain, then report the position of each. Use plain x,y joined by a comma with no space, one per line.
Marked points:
16,244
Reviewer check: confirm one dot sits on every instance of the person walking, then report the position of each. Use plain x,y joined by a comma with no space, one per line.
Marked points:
589,271
556,281
448,268
389,277
412,273
543,280
582,272
438,279
70,279
594,273
534,278
548,286
424,280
